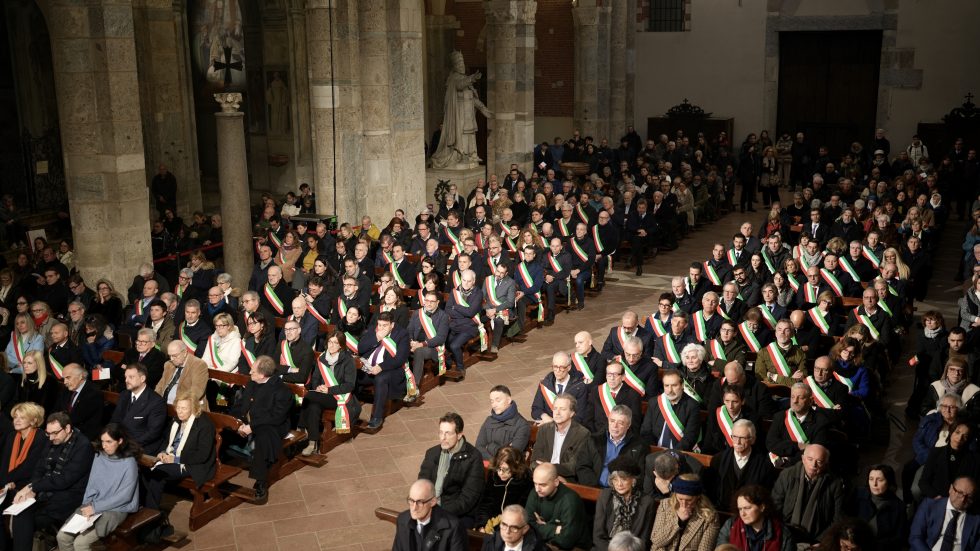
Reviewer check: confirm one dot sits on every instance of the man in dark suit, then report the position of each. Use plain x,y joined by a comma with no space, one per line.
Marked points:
806,296
659,425
640,229
309,326
629,327
605,397
562,380
62,351
141,411
816,229
295,361
498,302
250,305
350,296
58,482
402,270
718,425
194,331
426,525
82,401
383,350
428,329
785,439
557,264
143,352
940,520
738,465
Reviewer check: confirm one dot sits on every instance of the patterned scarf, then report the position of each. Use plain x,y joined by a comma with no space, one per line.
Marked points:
56,460
624,511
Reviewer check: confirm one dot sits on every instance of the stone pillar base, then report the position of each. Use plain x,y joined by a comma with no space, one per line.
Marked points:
464,178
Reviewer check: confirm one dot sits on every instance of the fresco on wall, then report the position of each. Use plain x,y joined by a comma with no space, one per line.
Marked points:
219,55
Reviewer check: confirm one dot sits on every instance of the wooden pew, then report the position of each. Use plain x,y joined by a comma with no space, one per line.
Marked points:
126,536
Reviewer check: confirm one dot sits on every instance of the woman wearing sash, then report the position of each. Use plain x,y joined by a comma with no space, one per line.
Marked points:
36,386
622,507
23,339
686,516
223,348
695,374
260,341
757,526
427,267
392,302
849,368
432,283
332,381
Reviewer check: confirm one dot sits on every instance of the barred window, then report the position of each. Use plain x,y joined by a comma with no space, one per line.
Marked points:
667,16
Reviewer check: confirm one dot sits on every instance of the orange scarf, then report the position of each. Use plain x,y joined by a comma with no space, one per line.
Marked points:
19,453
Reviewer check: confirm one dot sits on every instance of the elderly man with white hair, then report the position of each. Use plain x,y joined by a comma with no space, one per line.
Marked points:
563,379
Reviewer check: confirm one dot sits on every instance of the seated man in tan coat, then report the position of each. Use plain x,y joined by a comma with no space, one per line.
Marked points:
184,374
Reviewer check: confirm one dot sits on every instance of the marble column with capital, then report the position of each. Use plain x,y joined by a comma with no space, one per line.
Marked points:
510,78
233,185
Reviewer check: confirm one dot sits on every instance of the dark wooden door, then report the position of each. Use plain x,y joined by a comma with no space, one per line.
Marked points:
828,86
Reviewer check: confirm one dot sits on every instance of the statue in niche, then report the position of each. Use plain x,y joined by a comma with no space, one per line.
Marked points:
277,97
457,145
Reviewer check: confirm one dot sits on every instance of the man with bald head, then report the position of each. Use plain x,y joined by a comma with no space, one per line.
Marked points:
425,525
587,360
797,427
563,379
556,513
463,307
276,294
62,351
628,327
809,498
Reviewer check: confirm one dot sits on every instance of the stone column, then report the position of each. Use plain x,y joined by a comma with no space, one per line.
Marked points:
591,106
335,105
94,57
619,28
236,219
376,84
510,75
630,86
405,61
300,91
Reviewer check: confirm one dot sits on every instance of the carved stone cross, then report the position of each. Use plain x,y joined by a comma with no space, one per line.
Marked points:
227,65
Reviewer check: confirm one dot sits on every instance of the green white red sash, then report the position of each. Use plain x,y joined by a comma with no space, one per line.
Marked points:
832,281
138,307
579,251
726,424
457,280
884,306
721,312
844,263
430,333
819,396
713,276
178,291
216,360
394,273
582,365
275,239
795,429
186,339
342,307
270,294
767,316
778,360
563,228
548,395
749,337
659,329
543,241
457,247
866,321
525,275
871,256
286,357
731,257
511,244
492,264
56,367
847,382
717,350
249,356
504,228
315,314
411,387
352,342
596,240
689,390
810,293
768,261
555,265
390,346
700,326
341,420
670,417
458,295
19,349
670,349
582,215
794,284
606,398
388,258
631,379
818,319
491,285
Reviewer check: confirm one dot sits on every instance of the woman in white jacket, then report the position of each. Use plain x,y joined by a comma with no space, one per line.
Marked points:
224,347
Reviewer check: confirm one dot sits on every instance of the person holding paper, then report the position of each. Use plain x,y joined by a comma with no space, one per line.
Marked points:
111,494
57,486
189,451
20,449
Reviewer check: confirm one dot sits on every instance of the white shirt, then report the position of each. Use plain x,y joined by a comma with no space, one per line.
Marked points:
958,542
516,548
559,442
742,461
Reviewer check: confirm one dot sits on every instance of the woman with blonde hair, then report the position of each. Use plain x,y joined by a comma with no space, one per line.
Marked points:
23,339
20,449
224,346
107,302
35,385
203,269
891,256
686,520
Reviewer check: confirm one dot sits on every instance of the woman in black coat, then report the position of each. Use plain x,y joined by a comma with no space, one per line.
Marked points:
36,384
509,482
336,364
877,504
260,341
193,454
947,463
636,509
20,448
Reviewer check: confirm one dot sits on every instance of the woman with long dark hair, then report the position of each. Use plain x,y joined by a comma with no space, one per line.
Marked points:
878,504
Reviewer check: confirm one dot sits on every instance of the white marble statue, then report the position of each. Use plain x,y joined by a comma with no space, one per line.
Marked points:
457,145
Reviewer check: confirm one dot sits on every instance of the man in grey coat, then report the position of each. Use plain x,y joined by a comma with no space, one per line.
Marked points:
505,426
498,302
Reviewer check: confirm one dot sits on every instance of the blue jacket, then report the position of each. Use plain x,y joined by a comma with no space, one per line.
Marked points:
928,525
926,435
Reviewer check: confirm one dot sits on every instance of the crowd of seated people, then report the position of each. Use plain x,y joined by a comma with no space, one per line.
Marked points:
772,354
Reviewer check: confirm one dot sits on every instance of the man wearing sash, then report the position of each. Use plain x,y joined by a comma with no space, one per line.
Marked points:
737,464
428,329
615,439
896,286
683,301
696,284
463,262
666,352
562,380
309,325
184,290
605,397
349,297
363,278
754,331
781,362
465,303
891,304
62,351
642,375
317,301
494,256
498,301
721,419
557,268
640,229
582,256
746,290
250,304
383,353
276,294
587,360
567,445
672,420
138,312
806,296
707,321
727,347
528,278
717,269
295,355
450,232
629,326
505,426
878,322
771,310
194,331
775,253
755,395
856,263
797,427
808,496
829,394
605,240
565,225
260,270
840,282
738,255
384,256
402,270
731,307
658,323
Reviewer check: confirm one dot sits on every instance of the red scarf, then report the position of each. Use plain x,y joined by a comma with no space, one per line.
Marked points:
737,536
38,322
19,454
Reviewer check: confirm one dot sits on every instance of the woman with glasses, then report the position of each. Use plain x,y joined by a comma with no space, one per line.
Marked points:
107,302
509,482
23,339
44,320
953,381
223,349
36,385
391,301
622,507
331,382
260,341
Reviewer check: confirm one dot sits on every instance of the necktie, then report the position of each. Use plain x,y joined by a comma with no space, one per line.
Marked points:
949,535
173,382
71,400
814,232
421,537
376,355
177,437
132,399
559,387
737,255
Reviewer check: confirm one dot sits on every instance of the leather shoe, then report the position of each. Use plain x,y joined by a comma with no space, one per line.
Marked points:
375,424
639,270
261,493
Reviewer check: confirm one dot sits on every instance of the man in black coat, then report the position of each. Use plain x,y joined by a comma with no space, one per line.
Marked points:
460,487
263,410
141,411
659,426
513,532
737,466
640,229
784,439
720,420
144,351
629,327
426,525
58,482
619,439
82,401
384,350
62,351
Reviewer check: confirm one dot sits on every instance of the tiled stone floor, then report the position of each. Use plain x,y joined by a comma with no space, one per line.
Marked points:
332,507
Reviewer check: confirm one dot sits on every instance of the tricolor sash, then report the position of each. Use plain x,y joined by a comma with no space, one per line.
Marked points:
19,349
56,367
658,326
818,319
871,256
563,228
390,346
731,257
511,244
178,291
866,321
844,263
670,349
847,382
795,429
717,350
832,281
582,215
689,390
394,273
185,338
216,360
525,275
713,276
430,333
548,395
778,360
273,298
670,417
794,284
579,251
275,239
606,398
721,312
700,327
342,307
457,247
341,421
726,424
582,365
749,337
388,257
249,356
286,357
491,283
767,316
768,261
631,379
315,314
884,306
819,396
138,307
352,342
555,265
810,293
599,247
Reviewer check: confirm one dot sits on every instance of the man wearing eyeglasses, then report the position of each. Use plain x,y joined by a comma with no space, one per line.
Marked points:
426,525
563,379
183,374
629,326
350,296
605,397
946,523
513,533
58,483
737,465
295,354
143,352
